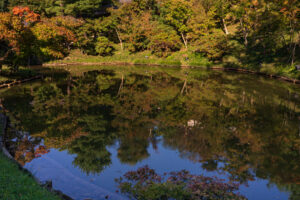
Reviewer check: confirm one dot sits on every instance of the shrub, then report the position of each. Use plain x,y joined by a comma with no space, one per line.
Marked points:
212,46
164,41
104,47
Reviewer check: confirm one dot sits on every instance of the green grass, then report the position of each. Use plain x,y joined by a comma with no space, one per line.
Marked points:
176,59
273,68
18,185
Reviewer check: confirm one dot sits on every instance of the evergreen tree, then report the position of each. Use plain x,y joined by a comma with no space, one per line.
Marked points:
3,5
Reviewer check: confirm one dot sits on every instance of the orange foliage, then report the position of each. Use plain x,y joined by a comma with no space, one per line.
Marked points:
20,11
29,15
23,29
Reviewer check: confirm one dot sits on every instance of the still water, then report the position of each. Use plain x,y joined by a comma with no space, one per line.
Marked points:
85,128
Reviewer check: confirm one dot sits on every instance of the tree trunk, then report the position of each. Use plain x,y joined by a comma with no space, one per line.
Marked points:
121,42
185,41
69,86
293,54
61,4
183,87
121,85
3,58
245,33
28,61
225,27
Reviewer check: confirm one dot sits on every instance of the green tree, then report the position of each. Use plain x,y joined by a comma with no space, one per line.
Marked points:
86,8
3,5
164,40
177,14
104,47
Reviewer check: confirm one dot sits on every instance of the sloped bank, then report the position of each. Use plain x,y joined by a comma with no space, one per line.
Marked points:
15,181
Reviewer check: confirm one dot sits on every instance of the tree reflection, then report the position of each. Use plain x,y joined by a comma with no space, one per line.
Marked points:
247,127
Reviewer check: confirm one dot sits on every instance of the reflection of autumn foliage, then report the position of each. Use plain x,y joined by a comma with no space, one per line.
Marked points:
41,150
60,141
27,150
221,121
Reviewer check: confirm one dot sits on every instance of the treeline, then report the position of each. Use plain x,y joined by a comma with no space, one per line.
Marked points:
247,31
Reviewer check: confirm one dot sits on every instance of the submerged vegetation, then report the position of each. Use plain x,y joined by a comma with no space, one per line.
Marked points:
254,34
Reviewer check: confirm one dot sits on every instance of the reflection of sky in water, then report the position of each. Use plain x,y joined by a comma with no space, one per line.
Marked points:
57,166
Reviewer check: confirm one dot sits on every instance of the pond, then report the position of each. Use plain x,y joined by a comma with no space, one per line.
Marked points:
84,128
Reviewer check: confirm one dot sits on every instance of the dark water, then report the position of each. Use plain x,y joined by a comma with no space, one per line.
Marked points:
85,129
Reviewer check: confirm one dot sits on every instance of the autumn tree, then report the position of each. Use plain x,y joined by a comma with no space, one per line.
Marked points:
54,36
16,35
27,38
290,11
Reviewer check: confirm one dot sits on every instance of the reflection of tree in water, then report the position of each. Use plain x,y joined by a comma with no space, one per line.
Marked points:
293,189
133,149
251,137
91,153
218,118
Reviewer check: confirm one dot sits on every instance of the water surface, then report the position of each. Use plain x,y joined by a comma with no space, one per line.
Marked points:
84,129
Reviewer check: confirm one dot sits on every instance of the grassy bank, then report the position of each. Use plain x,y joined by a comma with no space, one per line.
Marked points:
181,58
18,185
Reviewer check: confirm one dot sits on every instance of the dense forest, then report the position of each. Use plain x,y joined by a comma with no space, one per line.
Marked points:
254,33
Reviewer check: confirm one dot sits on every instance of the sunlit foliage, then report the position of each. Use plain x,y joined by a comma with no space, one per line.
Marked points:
26,37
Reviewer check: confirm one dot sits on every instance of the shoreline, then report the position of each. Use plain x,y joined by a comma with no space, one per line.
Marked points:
17,82
6,154
239,70
217,68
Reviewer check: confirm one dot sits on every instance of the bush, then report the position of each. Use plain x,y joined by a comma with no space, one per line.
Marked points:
164,42
212,46
104,47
